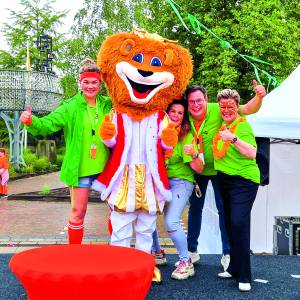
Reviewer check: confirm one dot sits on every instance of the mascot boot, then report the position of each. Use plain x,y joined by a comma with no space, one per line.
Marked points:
157,278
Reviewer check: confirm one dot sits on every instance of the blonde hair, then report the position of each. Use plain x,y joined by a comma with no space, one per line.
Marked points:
88,65
229,94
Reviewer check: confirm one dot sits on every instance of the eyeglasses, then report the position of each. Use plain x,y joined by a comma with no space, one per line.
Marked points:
196,102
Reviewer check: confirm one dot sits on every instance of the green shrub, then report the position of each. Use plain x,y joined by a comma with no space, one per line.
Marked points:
12,171
54,167
42,164
29,157
29,169
59,159
61,150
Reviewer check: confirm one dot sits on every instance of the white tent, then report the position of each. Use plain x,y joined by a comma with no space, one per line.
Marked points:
279,117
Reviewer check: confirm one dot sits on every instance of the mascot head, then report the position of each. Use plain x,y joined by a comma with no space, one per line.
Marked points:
143,72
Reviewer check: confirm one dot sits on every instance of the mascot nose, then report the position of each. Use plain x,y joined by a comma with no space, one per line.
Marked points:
145,73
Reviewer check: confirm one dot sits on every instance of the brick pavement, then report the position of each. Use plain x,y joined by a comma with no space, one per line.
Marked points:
35,184
27,224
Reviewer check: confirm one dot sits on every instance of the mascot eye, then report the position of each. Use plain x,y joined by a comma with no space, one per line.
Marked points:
138,58
156,62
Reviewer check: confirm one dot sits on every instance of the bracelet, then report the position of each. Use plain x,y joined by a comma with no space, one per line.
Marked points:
234,140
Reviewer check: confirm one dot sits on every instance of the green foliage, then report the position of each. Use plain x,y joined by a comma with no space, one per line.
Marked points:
29,157
28,169
264,30
61,150
45,190
37,165
3,133
42,164
267,30
12,171
69,85
59,159
35,19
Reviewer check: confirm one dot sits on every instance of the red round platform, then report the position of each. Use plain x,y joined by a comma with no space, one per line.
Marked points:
84,272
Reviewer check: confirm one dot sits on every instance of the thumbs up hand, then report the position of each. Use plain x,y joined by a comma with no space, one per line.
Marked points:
169,135
107,129
260,90
26,118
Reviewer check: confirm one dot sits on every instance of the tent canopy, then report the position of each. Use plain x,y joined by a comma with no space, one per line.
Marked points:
279,116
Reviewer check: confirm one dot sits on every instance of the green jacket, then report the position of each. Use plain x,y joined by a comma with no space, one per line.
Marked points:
69,117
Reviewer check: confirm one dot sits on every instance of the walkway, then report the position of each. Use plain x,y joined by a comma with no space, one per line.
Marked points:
35,223
35,184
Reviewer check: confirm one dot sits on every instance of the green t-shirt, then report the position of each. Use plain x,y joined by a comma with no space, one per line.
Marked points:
87,165
235,163
178,165
208,129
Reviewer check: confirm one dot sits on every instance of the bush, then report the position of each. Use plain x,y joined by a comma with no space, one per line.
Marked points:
29,169
61,150
29,157
12,171
42,164
54,167
59,159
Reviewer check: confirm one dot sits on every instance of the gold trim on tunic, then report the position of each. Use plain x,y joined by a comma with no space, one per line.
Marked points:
139,186
120,204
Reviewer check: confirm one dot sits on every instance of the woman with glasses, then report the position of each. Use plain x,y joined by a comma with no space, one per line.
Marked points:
234,151
205,120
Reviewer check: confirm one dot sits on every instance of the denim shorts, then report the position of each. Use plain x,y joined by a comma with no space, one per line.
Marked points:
87,181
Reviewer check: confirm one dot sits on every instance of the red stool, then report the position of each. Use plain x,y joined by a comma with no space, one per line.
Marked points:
84,272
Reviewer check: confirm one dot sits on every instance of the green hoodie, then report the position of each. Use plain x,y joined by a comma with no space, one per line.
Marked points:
69,116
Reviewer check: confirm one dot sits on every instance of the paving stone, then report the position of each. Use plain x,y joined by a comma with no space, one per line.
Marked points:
44,222
6,250
21,249
23,244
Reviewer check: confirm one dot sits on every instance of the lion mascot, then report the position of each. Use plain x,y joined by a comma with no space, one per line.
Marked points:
143,73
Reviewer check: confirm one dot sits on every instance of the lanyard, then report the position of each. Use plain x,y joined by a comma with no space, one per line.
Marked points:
93,121
198,139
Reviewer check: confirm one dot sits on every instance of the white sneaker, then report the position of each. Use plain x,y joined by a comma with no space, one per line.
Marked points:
195,257
184,270
225,260
224,275
244,287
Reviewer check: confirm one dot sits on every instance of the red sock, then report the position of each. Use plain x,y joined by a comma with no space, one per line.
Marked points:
75,232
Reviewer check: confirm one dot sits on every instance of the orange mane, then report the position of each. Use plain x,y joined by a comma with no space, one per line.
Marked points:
143,72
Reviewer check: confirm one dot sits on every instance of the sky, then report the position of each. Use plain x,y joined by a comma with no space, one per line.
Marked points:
59,5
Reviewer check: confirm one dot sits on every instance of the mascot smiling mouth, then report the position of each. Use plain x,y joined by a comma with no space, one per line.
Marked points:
140,90
142,85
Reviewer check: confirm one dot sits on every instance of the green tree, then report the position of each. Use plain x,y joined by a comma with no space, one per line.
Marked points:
268,30
92,23
36,18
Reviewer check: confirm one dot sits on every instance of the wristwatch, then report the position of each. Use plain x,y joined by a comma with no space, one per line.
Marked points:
234,140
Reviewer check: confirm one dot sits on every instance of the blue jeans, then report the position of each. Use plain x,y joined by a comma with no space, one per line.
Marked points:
87,181
195,213
181,191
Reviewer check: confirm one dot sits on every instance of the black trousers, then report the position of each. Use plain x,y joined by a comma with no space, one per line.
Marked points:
238,195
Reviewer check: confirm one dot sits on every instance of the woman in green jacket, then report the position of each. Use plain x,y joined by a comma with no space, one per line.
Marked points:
86,156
